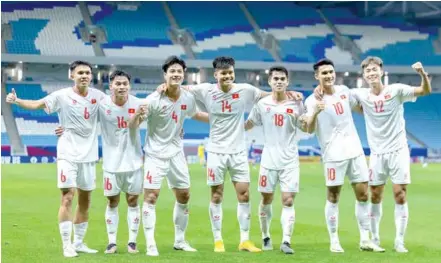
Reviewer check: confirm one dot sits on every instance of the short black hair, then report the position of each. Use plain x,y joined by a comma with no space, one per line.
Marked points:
322,62
279,69
119,73
77,63
173,60
223,62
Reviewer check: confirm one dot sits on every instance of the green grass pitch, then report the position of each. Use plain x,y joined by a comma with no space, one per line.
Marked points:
30,233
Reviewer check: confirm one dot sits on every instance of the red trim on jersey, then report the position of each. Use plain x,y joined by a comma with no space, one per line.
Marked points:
183,107
235,96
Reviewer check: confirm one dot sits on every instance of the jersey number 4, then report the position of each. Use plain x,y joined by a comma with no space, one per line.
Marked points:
175,117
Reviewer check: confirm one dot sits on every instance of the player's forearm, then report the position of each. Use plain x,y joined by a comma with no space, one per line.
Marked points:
201,116
135,121
426,86
248,125
311,123
263,94
30,104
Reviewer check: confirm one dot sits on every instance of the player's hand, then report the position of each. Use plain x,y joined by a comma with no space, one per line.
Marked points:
142,111
59,131
318,93
294,95
418,67
303,121
161,88
319,107
11,97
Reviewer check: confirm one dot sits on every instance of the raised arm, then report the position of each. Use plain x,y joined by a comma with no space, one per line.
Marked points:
26,104
139,117
425,88
312,113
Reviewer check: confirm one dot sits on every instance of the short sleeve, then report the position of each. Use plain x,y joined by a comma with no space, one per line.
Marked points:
199,91
309,106
252,93
52,102
405,92
193,109
255,117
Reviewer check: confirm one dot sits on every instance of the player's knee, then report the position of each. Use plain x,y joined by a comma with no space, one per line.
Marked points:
400,197
183,197
376,195
67,198
132,200
333,195
112,202
243,197
151,198
288,201
362,196
267,199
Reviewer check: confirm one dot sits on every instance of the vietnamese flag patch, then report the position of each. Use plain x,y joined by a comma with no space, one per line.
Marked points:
131,111
343,96
235,96
93,101
387,96
183,107
289,110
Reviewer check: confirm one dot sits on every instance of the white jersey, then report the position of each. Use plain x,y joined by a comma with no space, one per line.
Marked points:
335,129
79,117
165,120
226,112
384,116
279,130
122,150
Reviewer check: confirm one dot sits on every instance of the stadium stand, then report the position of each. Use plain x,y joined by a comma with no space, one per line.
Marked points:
302,34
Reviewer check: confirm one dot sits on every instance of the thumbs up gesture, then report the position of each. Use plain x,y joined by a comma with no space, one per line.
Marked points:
11,97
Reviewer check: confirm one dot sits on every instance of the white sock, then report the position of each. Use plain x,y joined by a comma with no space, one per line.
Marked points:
180,219
331,215
66,233
287,219
216,220
79,232
112,220
401,219
265,216
376,213
362,214
149,222
244,218
133,219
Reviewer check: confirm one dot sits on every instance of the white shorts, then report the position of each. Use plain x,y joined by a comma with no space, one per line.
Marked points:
219,163
288,179
175,169
356,169
395,164
127,182
76,175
